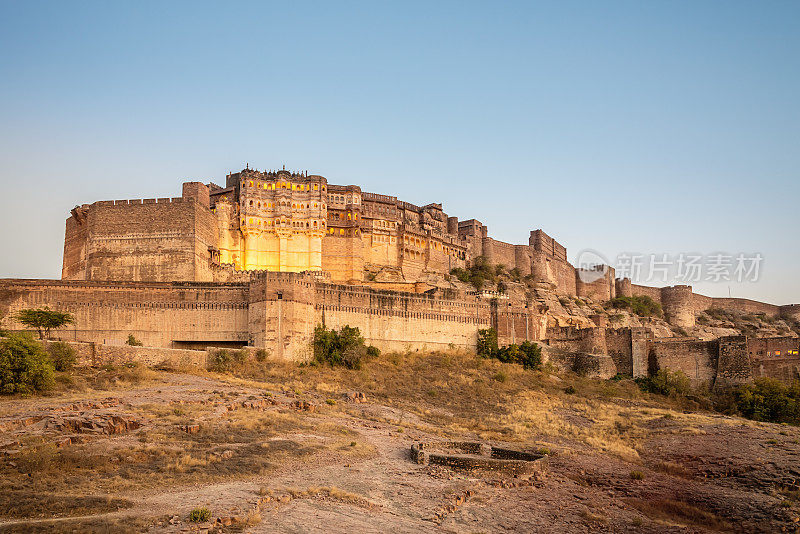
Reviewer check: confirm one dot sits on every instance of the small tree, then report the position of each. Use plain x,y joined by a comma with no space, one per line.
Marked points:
24,365
44,320
487,343
132,341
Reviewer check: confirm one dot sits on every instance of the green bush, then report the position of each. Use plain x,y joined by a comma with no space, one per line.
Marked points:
62,355
767,399
262,355
666,382
219,361
487,342
344,347
479,272
200,515
24,365
132,341
528,354
640,305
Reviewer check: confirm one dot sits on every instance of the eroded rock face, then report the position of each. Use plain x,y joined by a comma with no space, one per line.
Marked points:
355,396
303,406
97,424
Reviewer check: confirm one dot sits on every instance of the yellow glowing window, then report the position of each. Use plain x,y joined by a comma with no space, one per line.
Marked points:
341,232
316,187
349,217
315,204
251,183
266,186
330,230
777,353
250,221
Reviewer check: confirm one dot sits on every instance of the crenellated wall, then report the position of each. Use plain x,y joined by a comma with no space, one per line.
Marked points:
139,240
160,314
273,310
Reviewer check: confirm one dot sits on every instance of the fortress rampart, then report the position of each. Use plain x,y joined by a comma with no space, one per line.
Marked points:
274,310
725,361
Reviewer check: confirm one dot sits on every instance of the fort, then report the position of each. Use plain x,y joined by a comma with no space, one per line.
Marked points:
263,260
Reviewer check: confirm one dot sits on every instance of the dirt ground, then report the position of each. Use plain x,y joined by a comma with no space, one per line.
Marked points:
299,452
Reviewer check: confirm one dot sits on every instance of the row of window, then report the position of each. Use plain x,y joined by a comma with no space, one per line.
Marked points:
285,223
341,216
789,352
284,204
283,185
344,232
342,198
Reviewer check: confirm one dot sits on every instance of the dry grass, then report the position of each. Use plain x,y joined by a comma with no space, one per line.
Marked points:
679,513
331,493
30,504
456,393
672,469
100,525
243,444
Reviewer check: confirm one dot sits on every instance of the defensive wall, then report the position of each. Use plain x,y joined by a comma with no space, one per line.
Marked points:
725,361
681,304
97,354
276,311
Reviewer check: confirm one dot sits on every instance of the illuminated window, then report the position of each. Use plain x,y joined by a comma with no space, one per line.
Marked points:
316,187
341,231
777,353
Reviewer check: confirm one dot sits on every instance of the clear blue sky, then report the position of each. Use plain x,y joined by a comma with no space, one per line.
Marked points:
652,127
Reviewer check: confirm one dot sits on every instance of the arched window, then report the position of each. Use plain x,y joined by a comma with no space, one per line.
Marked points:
251,202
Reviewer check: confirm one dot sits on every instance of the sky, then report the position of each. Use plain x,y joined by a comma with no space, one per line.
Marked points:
631,129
